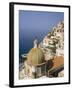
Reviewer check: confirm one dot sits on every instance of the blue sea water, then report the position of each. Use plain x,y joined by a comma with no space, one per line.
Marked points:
35,25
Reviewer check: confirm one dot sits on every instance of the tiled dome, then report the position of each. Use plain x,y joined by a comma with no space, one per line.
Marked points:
35,56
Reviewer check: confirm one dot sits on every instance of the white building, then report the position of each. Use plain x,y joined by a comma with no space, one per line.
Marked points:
59,52
46,41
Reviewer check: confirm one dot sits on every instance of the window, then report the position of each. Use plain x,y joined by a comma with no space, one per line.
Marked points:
38,71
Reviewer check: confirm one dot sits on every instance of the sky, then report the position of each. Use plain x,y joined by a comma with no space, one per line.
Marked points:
35,25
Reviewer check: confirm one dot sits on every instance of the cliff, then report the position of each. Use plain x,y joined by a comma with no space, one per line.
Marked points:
53,42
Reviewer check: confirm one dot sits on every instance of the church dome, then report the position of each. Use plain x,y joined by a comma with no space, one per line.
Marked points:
35,55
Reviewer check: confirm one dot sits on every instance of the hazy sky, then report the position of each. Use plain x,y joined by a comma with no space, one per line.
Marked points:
35,24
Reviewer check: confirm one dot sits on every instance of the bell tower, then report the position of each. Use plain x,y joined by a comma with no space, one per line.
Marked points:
35,43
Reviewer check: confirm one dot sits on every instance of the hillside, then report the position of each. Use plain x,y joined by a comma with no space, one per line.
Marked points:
53,43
